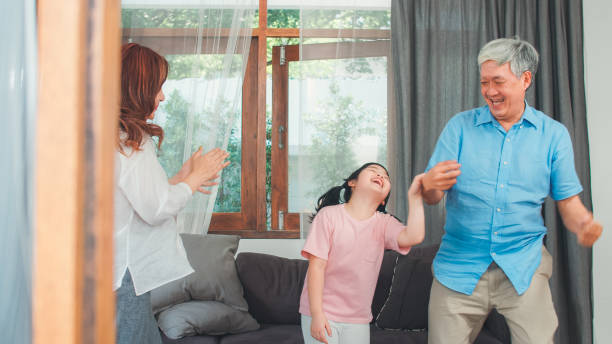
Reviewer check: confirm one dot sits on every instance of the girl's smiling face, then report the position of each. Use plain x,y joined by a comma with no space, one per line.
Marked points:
374,179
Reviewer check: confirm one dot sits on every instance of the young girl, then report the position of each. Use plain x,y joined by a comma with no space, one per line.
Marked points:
148,249
345,248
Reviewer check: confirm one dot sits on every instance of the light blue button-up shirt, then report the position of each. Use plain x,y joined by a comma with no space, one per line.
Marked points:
493,213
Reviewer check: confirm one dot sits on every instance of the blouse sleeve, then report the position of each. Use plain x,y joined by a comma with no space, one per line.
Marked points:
144,183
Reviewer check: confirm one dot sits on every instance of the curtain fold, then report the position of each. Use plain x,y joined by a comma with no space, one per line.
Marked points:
206,43
435,45
18,72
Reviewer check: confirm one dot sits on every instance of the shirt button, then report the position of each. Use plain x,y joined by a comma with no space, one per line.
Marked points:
521,126
507,140
501,186
505,163
498,210
495,233
493,254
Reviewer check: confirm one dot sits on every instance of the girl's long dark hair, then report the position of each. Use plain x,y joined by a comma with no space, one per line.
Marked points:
332,196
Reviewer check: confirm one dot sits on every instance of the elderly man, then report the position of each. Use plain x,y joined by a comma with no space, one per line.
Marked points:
497,164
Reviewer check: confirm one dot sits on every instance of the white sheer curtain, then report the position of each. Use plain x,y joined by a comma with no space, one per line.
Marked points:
206,43
338,95
18,63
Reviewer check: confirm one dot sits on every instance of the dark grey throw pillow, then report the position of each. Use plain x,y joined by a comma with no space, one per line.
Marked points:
204,317
408,300
215,277
272,286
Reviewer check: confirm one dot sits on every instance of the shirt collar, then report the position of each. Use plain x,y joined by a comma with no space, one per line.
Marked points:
484,116
528,115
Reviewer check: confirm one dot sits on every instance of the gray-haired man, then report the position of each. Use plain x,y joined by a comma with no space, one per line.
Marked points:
497,164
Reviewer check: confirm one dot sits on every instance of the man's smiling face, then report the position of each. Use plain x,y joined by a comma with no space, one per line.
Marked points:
503,91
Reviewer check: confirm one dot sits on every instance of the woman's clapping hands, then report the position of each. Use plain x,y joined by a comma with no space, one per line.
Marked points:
203,169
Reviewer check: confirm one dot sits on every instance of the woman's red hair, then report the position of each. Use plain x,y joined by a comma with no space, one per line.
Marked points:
143,73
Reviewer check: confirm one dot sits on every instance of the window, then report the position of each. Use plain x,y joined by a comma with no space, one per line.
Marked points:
266,187
324,130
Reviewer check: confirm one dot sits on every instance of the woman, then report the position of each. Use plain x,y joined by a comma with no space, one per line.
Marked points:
148,248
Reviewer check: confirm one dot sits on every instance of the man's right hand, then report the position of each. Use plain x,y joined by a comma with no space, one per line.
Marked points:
442,176
438,179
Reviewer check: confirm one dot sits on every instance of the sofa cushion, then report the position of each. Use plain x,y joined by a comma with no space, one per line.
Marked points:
383,284
277,334
272,286
425,252
408,299
204,317
487,337
203,339
380,336
215,277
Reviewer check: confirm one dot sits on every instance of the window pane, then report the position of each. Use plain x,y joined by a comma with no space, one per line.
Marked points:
346,19
255,22
283,18
337,121
176,18
228,196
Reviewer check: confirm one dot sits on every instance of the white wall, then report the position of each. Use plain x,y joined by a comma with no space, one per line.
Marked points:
598,57
598,77
289,248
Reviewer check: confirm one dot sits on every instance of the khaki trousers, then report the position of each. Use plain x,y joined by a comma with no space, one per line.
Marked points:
457,318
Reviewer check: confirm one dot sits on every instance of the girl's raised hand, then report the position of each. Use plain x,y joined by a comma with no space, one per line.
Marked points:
415,192
318,327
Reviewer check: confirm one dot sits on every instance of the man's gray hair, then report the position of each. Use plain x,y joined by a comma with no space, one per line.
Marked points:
521,55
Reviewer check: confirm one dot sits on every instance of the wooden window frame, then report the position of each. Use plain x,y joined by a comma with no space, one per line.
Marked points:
251,221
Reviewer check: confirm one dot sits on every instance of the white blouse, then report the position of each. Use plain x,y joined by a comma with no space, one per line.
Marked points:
146,234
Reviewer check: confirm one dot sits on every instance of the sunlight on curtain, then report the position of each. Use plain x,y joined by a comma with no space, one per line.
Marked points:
18,63
337,96
206,43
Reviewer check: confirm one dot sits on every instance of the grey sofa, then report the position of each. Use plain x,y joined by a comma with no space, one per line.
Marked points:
272,287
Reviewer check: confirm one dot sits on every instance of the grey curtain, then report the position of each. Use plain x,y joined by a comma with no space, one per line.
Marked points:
435,45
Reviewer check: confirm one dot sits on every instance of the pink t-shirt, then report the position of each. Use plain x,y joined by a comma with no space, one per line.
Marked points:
354,252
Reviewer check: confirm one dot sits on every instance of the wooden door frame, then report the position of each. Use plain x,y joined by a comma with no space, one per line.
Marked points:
78,105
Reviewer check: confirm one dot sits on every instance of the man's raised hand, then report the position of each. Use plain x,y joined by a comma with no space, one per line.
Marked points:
442,176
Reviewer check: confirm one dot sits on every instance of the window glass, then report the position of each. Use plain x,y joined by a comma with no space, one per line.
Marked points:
337,122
